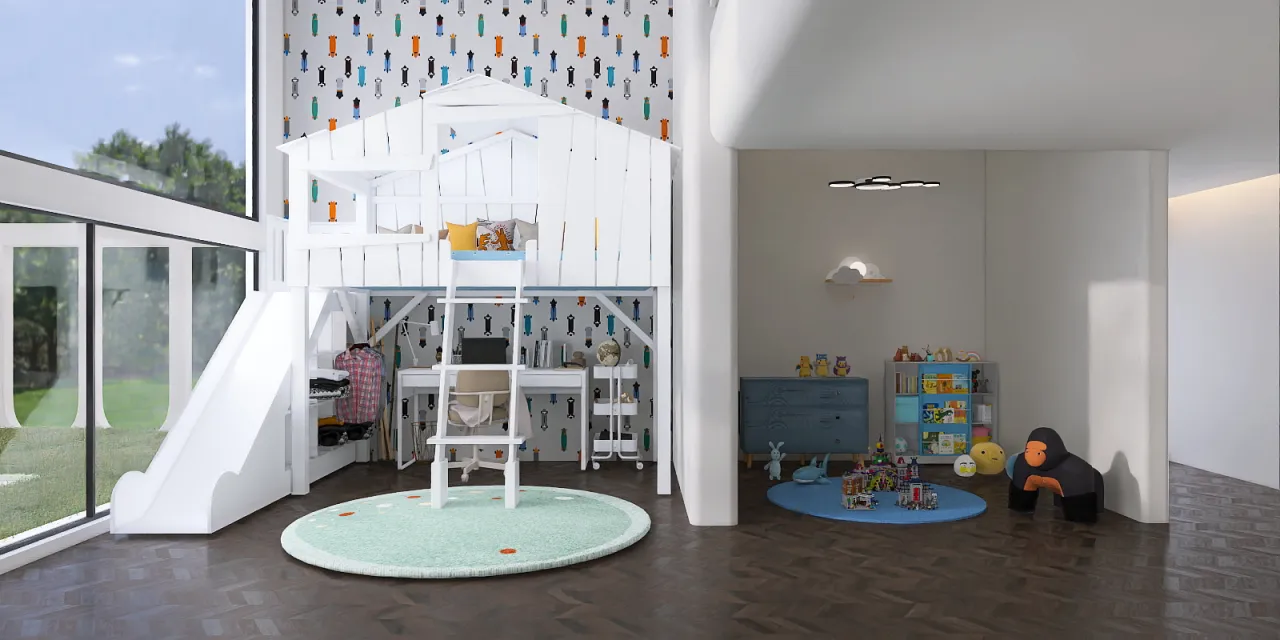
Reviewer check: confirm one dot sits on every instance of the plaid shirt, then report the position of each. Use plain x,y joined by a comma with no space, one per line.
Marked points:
361,404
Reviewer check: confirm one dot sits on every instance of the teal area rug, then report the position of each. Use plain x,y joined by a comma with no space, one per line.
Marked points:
399,535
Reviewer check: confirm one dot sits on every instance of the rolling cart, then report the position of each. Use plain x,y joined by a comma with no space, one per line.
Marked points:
613,443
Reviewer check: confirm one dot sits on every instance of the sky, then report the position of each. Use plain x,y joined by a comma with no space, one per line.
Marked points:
74,71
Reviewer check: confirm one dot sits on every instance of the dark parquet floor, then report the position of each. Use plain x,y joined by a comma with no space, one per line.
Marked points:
1213,572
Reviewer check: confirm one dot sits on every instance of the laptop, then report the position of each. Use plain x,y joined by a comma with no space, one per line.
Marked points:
484,351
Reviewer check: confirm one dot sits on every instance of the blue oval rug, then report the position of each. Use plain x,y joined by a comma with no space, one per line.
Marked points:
399,535
826,501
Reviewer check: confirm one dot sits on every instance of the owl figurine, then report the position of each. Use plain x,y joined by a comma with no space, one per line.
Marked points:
842,366
805,369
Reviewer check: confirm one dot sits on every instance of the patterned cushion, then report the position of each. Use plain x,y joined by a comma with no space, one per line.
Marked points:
525,231
496,235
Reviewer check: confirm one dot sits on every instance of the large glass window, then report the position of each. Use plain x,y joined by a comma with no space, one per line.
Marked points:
151,93
42,417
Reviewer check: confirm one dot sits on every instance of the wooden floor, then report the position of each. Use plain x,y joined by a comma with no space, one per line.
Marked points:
1214,572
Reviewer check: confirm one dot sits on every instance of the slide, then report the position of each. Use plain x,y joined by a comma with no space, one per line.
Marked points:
226,455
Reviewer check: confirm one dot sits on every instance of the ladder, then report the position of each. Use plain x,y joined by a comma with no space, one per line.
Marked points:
509,267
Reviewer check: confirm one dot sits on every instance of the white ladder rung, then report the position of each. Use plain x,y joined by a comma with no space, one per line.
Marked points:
493,439
483,300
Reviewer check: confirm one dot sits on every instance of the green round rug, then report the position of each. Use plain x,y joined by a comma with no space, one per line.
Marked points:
399,535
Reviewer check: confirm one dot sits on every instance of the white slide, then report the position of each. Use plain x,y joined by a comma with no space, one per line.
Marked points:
226,456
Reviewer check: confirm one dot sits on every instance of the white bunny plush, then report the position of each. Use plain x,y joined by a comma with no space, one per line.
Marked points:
775,461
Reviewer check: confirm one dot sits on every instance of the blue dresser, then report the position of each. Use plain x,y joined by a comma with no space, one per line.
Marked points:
812,415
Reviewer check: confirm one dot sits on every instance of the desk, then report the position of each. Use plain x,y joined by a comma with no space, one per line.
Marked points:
411,382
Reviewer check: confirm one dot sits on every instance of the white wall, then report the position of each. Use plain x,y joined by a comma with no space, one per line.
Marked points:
1076,311
793,229
706,288
1224,330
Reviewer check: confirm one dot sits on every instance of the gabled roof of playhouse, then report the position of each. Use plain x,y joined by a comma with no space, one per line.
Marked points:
478,100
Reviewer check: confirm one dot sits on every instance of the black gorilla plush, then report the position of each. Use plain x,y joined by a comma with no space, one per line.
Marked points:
1046,464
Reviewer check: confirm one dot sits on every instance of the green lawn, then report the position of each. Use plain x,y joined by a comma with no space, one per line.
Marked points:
55,454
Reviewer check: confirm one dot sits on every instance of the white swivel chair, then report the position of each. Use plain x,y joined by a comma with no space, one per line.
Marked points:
479,400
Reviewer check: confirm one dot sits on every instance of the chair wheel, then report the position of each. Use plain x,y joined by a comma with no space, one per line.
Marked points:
639,465
464,477
595,465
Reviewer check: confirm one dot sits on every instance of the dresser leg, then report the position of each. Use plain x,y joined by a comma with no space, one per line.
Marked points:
803,460
748,461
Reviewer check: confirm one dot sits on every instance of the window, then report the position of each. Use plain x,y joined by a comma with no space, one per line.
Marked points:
149,93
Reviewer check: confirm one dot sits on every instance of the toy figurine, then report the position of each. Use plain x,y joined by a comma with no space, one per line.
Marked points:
804,367
928,355
915,357
842,366
943,354
901,354
775,461
813,473
821,364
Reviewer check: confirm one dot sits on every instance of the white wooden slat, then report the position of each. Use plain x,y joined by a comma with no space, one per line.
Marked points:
375,136
407,214
555,136
635,228
496,163
296,269
326,268
404,130
612,143
381,265
352,266
524,177
373,166
348,142
577,267
475,188
430,253
318,148
660,209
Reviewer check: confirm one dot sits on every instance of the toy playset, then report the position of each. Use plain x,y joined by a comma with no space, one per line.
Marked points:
882,474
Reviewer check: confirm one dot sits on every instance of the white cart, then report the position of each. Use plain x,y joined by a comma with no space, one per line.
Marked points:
615,444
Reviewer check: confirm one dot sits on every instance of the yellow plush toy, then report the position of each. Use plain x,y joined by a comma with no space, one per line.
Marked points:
804,367
989,457
822,365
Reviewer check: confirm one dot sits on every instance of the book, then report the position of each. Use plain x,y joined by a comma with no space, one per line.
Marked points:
929,382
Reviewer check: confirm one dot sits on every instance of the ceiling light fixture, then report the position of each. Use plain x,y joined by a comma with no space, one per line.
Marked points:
913,183
933,184
881,179
877,186
841,184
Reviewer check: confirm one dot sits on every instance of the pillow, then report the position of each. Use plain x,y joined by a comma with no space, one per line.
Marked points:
496,235
462,237
525,231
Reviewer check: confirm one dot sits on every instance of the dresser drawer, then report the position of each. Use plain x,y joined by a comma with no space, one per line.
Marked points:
849,392
804,429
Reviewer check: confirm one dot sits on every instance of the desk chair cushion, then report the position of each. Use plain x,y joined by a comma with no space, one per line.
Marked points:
481,381
499,416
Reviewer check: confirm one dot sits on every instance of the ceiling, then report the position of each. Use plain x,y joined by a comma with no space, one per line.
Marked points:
1198,77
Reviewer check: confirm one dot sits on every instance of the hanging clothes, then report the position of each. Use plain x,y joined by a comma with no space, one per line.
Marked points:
365,367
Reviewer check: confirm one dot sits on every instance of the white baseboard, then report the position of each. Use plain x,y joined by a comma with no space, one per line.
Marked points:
53,544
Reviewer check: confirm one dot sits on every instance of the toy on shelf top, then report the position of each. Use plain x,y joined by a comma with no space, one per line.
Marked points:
842,366
821,364
805,369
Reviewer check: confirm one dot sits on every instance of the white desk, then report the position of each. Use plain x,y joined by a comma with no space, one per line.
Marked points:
412,382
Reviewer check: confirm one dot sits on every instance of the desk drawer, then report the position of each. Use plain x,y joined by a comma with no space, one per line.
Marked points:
850,392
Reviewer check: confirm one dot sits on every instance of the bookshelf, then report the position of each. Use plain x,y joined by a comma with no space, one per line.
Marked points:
936,406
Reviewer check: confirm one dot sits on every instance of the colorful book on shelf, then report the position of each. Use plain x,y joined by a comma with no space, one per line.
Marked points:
959,443
929,382
938,443
930,413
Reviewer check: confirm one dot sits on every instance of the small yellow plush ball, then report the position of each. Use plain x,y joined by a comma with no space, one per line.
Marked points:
989,457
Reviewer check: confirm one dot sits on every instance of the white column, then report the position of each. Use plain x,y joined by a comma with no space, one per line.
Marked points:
181,339
664,359
706,284
299,398
8,416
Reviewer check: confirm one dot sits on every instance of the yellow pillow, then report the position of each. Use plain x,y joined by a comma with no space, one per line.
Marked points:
462,237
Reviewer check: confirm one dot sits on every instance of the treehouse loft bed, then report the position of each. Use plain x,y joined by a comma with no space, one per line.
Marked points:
597,193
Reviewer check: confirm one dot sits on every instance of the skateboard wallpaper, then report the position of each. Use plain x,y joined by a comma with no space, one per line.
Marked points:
348,59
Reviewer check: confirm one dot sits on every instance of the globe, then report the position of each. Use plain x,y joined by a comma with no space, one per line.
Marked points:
609,353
